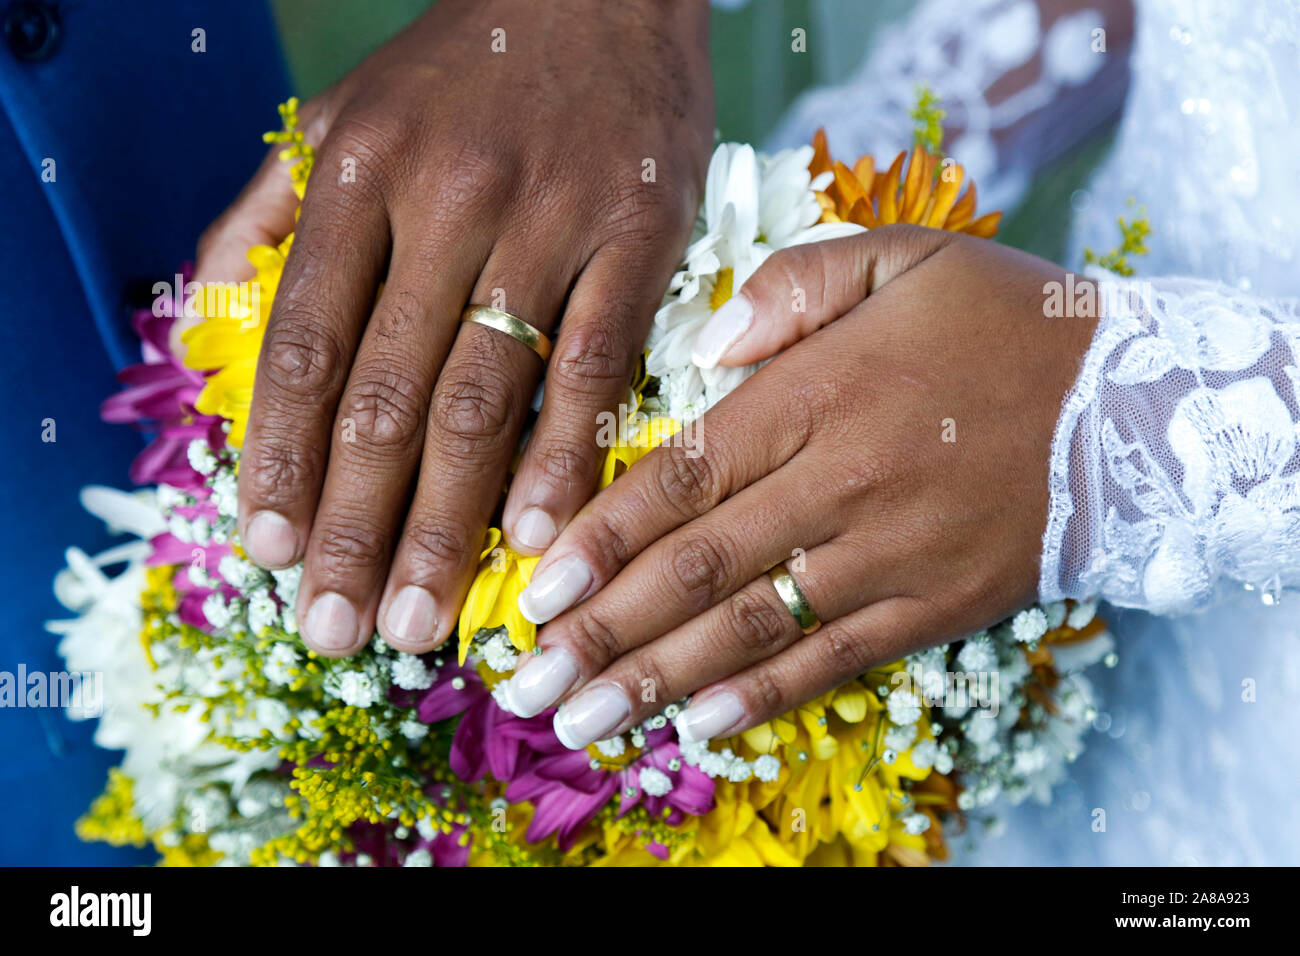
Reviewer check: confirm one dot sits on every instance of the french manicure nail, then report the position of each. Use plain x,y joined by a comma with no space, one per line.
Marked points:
531,691
412,617
555,589
270,540
535,530
709,718
592,715
331,623
722,330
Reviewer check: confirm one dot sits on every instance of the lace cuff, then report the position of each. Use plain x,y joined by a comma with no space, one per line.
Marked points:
1005,72
1174,468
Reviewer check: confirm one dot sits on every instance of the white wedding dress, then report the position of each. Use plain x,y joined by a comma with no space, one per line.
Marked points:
1175,470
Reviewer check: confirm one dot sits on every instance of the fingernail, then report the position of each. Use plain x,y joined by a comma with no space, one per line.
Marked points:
270,540
592,715
331,623
530,692
535,530
555,589
412,616
710,718
722,330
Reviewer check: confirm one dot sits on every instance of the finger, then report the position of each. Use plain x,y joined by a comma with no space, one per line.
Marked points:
262,214
588,377
378,435
736,443
839,651
801,288
683,575
321,306
479,404
750,626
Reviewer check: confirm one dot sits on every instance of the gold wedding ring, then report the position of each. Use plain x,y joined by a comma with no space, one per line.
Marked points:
511,325
787,590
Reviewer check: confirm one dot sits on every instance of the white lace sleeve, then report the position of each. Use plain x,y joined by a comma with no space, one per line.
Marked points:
1023,82
1174,468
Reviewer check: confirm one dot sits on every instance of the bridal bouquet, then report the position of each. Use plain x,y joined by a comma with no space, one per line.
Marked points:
242,747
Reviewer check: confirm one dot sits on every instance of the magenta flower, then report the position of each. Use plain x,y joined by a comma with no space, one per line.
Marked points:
159,396
477,747
167,549
566,791
385,848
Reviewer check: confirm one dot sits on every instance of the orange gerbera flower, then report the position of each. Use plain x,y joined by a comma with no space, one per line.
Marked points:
863,196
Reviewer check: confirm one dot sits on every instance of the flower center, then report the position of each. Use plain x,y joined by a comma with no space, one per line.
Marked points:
721,289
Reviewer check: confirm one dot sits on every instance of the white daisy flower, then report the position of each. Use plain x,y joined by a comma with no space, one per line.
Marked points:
753,206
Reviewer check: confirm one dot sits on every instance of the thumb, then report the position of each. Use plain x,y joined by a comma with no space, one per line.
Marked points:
801,288
264,211
262,214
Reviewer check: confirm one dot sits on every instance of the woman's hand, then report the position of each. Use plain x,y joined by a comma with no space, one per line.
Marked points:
897,459
546,159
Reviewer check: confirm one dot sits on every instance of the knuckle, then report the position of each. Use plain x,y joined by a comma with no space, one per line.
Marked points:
566,463
348,542
637,214
910,241
472,175
845,657
763,695
647,684
702,570
473,404
759,627
591,362
303,361
435,544
821,398
371,145
384,407
275,471
688,482
610,539
864,475
594,639
899,247
796,267
967,599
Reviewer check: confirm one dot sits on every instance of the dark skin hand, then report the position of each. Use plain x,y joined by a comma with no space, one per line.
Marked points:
898,455
557,179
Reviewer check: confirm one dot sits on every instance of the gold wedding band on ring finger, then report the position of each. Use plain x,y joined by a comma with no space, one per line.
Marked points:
787,589
511,325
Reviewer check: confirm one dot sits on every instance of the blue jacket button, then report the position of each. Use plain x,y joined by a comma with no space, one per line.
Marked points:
32,30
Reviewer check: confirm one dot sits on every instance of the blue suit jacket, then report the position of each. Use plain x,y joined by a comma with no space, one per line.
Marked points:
150,140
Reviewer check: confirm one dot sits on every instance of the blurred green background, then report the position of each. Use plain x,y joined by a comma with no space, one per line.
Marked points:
324,39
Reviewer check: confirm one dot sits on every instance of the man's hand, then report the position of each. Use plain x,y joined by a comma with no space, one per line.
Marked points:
543,158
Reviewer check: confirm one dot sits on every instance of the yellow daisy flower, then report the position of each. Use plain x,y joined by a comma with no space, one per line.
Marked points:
493,599
835,798
651,432
229,338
